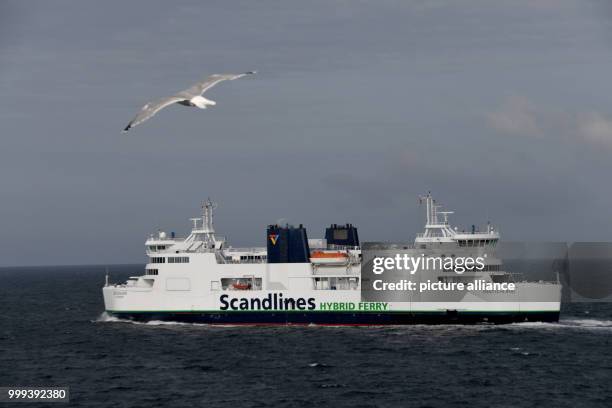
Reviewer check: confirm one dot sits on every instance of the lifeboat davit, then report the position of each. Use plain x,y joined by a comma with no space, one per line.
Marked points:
329,257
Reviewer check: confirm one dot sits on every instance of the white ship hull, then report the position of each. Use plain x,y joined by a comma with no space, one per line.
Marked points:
186,292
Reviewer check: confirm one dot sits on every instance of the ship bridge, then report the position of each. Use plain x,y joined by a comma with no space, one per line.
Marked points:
201,239
439,230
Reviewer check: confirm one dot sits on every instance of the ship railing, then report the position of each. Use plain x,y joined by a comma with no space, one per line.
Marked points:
390,245
335,272
244,261
245,250
490,233
157,238
519,277
340,247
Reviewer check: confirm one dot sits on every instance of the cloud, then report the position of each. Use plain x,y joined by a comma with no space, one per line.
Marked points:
595,128
517,116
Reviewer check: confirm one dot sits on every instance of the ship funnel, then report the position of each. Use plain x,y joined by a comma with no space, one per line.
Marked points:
341,235
287,244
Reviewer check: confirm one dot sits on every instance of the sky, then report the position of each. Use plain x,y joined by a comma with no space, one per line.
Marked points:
503,110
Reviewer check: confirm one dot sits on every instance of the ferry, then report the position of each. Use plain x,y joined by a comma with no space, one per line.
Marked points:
302,281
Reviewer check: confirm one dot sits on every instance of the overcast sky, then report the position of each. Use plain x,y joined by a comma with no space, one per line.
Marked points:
502,109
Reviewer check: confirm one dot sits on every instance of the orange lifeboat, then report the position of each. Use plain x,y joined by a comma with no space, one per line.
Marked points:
241,286
329,257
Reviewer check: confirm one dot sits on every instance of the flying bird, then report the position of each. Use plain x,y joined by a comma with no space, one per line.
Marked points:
189,97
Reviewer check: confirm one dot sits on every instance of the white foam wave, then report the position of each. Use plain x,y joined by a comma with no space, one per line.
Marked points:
166,323
588,322
568,323
105,317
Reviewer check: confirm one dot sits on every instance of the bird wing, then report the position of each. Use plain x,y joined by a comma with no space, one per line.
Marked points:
201,87
151,108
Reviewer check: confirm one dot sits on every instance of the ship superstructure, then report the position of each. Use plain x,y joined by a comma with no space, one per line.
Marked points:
297,280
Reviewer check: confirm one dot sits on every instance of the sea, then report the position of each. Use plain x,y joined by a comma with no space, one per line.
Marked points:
54,332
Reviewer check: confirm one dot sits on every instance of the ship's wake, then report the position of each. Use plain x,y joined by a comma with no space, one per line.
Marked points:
568,323
575,323
107,318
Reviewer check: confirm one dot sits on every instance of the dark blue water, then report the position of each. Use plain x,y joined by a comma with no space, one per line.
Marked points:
52,332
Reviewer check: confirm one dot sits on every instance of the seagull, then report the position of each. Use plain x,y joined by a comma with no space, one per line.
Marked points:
189,97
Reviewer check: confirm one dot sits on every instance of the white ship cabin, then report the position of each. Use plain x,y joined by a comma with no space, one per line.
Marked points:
202,239
440,231
325,268
441,237
164,248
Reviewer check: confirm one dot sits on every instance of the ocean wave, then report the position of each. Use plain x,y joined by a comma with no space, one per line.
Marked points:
107,318
567,323
593,322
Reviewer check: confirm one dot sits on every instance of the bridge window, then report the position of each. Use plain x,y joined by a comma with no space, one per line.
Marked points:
178,259
155,248
152,272
157,259
252,258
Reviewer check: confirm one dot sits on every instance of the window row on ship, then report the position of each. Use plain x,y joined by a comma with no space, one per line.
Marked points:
253,283
170,259
477,242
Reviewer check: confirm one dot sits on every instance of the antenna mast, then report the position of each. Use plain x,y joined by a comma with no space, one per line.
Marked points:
207,217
